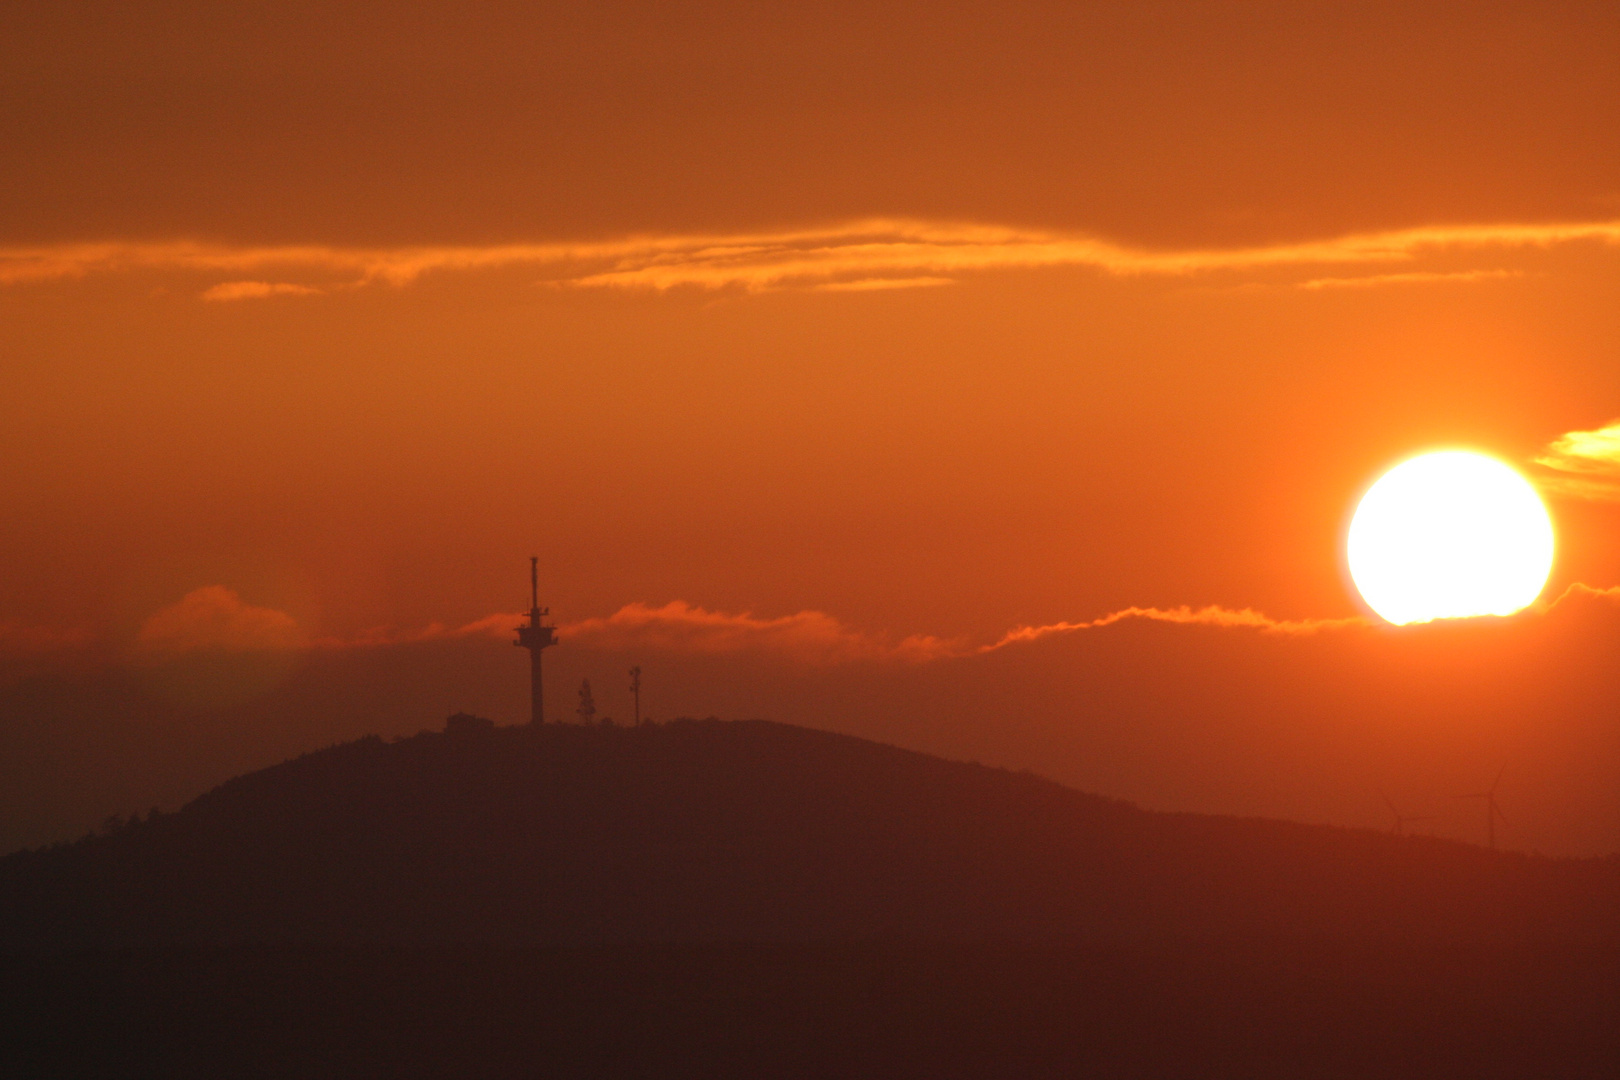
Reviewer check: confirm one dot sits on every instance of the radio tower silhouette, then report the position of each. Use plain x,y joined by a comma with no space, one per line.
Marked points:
535,636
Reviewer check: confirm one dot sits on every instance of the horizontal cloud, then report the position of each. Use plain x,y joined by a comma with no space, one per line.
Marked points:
497,625
1584,464
809,636
875,284
1416,277
679,627
880,253
1578,592
1247,618
215,619
256,290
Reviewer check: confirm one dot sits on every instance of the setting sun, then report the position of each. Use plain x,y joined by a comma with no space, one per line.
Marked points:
1450,534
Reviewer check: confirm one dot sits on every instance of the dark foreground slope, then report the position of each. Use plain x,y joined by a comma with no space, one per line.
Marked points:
705,831
881,1011
751,900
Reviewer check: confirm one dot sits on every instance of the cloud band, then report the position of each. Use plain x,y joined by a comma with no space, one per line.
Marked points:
854,256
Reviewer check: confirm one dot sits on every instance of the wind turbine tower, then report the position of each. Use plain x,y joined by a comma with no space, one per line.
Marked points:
536,636
1403,820
1493,813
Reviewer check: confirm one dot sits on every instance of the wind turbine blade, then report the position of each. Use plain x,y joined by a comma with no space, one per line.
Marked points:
1497,810
1498,779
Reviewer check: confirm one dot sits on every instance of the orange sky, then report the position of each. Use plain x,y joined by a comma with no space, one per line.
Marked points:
937,320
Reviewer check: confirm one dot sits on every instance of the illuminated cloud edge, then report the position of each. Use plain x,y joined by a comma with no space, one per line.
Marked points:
854,256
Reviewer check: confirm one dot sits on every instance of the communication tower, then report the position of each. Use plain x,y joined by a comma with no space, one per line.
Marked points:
536,636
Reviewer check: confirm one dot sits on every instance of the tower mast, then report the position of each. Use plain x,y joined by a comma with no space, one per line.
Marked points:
535,636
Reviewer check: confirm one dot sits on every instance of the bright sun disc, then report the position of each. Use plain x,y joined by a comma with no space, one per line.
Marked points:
1450,534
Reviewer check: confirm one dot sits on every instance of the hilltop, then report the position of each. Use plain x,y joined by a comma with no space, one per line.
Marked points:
703,831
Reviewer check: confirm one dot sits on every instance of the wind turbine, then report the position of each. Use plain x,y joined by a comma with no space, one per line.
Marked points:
1493,813
1402,820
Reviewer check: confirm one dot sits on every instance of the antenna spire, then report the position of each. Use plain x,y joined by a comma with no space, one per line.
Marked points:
536,636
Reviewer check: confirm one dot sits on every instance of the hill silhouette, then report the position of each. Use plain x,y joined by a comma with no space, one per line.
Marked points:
703,831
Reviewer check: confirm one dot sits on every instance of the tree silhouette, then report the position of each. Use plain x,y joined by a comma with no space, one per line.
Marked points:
587,705
463,723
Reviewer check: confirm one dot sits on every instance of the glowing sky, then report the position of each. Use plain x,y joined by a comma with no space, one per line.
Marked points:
934,322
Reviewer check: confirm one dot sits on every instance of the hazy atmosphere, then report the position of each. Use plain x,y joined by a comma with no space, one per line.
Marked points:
834,540
817,354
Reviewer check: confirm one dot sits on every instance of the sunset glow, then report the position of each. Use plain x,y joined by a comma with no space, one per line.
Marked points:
1447,535
887,539
995,381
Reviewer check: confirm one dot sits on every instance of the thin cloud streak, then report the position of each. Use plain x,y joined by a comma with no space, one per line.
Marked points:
682,628
1578,591
256,290
876,284
857,256
1584,464
808,636
216,619
1418,277
498,625
1246,618
815,637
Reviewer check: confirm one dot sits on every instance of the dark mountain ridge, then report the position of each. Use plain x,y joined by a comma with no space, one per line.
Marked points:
699,831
